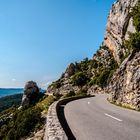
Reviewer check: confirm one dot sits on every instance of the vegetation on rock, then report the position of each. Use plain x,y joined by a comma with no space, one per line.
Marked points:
87,73
136,16
124,87
57,84
134,38
17,123
24,121
133,42
79,79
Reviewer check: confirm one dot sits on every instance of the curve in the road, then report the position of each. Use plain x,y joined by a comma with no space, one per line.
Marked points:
96,119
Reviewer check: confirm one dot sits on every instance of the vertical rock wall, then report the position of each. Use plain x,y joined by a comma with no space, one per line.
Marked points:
118,25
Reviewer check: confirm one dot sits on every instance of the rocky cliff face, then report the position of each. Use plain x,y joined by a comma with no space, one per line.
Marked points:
124,87
125,84
118,26
114,68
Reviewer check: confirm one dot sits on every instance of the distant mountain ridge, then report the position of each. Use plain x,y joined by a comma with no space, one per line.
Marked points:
10,91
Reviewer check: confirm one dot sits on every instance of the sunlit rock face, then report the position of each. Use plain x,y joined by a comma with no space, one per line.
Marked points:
118,25
31,93
125,85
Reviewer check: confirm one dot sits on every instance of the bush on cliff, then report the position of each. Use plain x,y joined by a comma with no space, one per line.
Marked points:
136,16
104,74
134,38
22,122
57,84
134,41
70,94
79,79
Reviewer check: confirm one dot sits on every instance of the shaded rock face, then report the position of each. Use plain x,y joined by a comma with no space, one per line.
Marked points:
125,85
118,26
70,70
31,93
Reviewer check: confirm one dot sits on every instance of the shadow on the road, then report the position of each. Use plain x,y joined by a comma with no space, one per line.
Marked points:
63,121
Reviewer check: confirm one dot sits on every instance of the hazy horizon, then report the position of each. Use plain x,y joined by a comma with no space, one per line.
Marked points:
39,38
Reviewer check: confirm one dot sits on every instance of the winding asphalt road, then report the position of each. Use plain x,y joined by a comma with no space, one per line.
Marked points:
96,119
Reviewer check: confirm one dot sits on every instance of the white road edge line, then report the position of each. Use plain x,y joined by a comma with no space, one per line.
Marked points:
113,117
88,103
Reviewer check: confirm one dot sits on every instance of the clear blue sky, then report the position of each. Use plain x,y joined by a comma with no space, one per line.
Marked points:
39,38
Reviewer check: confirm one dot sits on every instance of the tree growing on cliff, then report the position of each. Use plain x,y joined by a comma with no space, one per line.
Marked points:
79,79
136,16
134,38
134,41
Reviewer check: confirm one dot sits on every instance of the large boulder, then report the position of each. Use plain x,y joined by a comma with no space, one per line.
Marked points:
31,93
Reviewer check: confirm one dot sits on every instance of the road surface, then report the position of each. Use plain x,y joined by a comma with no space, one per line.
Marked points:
96,119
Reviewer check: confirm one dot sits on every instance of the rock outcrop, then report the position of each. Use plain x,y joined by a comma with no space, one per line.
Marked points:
124,87
125,84
118,25
31,94
70,70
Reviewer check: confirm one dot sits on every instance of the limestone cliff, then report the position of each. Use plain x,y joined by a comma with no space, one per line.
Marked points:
125,84
124,87
118,25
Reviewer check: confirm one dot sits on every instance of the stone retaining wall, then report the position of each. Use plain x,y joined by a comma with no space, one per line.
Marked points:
54,130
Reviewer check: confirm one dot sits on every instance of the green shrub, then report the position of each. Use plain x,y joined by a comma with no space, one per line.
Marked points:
113,64
79,79
93,81
70,94
57,96
82,92
10,110
136,16
110,76
11,135
104,74
102,79
95,64
57,84
134,41
46,102
21,124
